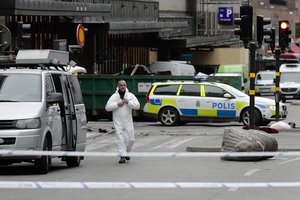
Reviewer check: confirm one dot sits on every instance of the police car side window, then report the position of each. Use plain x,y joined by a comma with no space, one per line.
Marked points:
166,90
190,90
213,91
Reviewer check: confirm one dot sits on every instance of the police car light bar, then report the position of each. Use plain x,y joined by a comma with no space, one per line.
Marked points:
200,79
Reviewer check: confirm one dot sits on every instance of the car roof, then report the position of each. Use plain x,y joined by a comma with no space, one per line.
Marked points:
266,72
187,82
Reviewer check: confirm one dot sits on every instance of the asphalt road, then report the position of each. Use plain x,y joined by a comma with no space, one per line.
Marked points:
210,174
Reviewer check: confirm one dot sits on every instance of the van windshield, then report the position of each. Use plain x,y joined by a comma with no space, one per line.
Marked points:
265,76
20,87
290,77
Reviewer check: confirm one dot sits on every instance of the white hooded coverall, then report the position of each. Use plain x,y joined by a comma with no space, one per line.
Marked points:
122,118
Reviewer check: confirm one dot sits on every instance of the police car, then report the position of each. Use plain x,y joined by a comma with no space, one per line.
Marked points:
178,102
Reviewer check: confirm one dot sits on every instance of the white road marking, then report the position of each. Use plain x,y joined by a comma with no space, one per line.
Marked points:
140,143
172,143
233,189
252,171
181,142
100,144
289,161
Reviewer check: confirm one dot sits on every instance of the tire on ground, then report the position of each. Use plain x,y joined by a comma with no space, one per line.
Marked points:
73,161
42,164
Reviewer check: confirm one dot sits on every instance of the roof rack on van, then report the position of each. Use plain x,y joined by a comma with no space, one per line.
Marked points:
46,59
32,66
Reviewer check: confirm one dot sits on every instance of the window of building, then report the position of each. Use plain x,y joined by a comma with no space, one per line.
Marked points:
278,2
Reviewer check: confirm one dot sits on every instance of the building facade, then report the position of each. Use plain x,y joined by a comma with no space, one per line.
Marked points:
121,33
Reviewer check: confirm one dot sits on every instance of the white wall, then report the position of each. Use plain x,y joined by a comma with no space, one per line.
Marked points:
172,5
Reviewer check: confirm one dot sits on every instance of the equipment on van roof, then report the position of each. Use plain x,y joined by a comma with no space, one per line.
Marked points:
45,59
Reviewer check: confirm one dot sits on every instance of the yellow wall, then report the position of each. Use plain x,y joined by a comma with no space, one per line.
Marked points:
152,56
221,56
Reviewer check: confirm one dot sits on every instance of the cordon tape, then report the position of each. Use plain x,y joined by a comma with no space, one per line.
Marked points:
141,185
146,154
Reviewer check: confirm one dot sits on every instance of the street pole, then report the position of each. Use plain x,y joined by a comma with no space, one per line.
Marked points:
277,80
252,49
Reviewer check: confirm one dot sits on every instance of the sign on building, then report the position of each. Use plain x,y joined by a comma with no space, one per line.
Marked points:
225,15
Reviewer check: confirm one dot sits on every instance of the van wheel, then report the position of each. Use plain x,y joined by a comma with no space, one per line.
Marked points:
245,117
42,164
265,123
168,116
73,161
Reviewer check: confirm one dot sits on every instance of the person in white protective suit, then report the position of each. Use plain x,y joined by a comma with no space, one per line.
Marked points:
121,104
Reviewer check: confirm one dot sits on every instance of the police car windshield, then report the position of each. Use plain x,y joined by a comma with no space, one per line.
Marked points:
234,91
20,88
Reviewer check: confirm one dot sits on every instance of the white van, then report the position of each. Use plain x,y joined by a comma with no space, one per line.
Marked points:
289,81
174,68
264,82
41,108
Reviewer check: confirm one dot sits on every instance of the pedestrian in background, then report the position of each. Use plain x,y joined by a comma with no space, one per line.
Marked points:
121,104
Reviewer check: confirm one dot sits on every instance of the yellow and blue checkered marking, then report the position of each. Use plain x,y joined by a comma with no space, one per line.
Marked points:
156,102
217,110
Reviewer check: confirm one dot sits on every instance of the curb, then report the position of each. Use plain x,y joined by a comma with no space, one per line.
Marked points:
217,149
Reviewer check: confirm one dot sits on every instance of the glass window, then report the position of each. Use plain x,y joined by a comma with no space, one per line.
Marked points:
75,88
213,91
190,90
166,90
20,87
49,86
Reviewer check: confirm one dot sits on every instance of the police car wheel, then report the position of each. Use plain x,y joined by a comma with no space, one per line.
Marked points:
169,116
245,117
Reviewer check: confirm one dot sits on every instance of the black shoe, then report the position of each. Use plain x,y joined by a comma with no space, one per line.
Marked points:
122,160
127,158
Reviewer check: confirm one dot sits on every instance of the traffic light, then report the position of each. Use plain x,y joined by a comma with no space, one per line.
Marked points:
284,32
24,35
245,22
271,40
260,30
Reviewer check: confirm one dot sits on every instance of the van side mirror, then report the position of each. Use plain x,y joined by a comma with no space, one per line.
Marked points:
245,80
55,98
